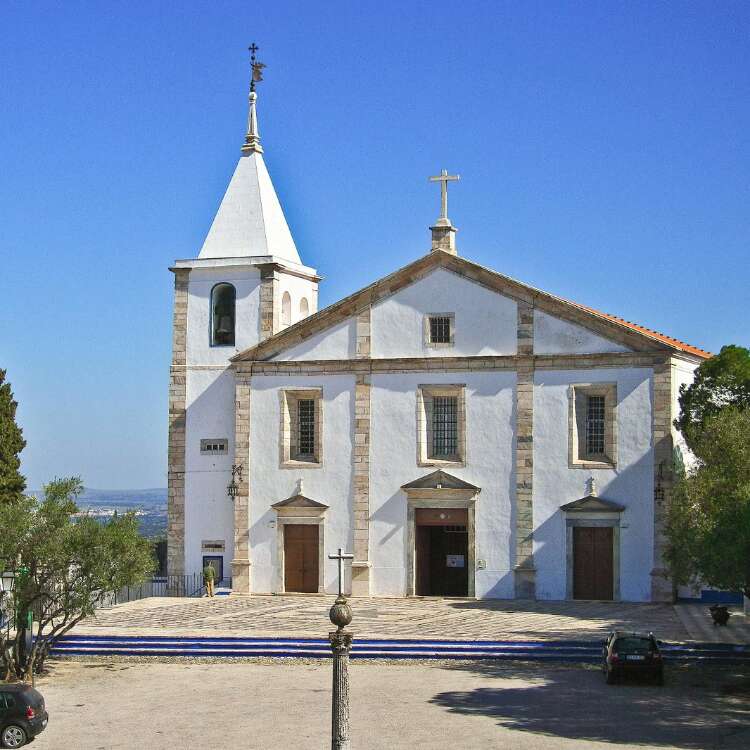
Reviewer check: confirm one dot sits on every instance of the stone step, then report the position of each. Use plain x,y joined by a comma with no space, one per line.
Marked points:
568,651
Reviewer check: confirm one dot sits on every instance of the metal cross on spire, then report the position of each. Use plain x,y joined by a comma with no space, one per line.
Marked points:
341,556
256,67
444,178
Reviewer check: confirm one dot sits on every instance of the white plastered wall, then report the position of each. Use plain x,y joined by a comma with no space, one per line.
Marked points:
330,484
629,484
209,513
485,321
298,288
490,450
555,336
246,282
336,342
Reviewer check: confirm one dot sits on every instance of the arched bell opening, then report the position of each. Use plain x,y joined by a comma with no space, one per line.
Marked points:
286,310
223,298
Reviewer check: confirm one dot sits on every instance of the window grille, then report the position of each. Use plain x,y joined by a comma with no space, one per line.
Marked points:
595,426
306,418
444,426
440,330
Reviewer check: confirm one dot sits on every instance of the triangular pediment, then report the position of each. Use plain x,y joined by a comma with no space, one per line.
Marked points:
628,335
299,501
439,480
592,504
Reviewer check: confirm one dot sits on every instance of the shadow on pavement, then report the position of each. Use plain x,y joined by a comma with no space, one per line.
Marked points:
699,707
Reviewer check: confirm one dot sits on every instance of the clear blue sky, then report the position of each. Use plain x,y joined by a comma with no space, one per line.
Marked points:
604,153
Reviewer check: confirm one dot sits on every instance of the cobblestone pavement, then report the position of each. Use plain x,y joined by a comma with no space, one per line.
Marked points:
443,619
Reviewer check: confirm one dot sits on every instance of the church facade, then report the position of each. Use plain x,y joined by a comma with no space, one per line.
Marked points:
460,432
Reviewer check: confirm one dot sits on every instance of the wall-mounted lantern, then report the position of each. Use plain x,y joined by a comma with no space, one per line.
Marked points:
233,489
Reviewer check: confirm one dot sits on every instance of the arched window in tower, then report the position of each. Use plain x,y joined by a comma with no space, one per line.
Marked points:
304,308
222,315
286,310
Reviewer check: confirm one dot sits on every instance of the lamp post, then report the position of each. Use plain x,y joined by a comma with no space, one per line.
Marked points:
7,584
341,642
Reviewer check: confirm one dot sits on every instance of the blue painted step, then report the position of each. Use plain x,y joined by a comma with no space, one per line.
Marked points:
237,646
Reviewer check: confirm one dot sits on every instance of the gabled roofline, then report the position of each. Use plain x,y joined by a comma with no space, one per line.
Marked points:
628,334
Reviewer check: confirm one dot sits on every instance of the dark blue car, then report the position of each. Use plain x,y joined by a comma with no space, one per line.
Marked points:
22,714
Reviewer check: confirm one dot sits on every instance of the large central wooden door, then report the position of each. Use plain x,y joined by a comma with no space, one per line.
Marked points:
592,562
301,558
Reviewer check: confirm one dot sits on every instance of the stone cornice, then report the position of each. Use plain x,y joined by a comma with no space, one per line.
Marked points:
453,364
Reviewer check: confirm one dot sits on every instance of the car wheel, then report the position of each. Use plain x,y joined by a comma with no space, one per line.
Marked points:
13,736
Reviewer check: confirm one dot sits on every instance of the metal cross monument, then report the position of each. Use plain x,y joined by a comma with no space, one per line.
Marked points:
444,178
341,556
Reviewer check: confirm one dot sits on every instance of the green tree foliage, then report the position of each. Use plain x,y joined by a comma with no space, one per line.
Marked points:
65,567
708,523
720,382
12,483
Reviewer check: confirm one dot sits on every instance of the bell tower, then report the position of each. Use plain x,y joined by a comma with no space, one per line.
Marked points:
247,283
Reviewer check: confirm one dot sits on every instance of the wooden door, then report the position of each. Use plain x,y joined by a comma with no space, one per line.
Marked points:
593,562
301,558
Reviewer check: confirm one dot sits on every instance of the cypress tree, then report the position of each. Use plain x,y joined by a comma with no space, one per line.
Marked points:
12,482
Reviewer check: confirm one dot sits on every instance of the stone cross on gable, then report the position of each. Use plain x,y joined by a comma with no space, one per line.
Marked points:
341,556
444,178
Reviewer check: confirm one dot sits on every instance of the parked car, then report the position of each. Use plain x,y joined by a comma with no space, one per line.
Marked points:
632,653
22,714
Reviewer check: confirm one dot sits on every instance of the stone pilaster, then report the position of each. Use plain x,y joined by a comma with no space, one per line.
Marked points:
361,562
661,585
525,572
270,301
363,334
176,447
241,559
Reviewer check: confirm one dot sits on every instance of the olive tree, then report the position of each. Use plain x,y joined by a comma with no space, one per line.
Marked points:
708,522
66,564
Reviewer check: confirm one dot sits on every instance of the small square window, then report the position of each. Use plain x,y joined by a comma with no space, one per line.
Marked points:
439,329
214,446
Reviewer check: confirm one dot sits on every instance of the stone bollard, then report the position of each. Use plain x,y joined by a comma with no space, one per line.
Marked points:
341,641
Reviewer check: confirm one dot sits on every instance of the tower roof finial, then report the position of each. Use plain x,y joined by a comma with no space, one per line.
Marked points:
252,139
443,232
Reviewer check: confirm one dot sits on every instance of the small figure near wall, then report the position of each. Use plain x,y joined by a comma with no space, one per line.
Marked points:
209,574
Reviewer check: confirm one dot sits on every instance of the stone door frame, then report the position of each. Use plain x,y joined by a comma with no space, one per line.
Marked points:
439,499
298,519
589,520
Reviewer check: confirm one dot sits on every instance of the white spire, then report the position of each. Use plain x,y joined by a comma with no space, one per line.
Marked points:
250,220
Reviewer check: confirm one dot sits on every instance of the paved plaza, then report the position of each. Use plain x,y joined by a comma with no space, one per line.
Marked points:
442,619
437,706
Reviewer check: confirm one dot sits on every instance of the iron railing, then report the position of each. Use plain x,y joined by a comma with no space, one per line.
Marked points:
171,585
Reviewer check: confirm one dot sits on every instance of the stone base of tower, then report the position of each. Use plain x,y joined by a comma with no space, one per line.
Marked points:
360,578
241,577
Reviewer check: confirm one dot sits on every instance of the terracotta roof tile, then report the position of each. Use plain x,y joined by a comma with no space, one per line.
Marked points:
676,343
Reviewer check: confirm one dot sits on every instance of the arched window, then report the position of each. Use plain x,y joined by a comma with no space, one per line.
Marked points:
304,308
286,310
222,315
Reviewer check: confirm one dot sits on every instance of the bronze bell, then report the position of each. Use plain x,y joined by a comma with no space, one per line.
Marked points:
225,324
